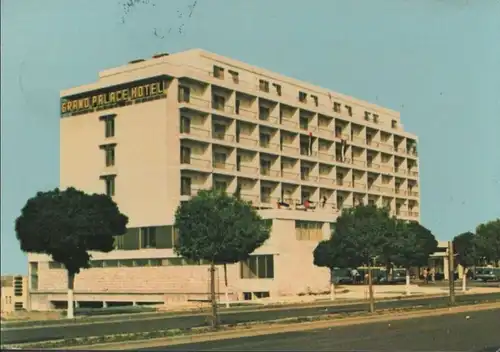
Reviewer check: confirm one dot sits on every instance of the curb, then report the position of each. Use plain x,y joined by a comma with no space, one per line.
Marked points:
261,329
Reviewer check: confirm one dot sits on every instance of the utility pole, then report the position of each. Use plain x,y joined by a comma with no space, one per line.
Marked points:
451,272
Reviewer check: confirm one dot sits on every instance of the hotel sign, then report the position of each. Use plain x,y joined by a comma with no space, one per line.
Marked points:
120,95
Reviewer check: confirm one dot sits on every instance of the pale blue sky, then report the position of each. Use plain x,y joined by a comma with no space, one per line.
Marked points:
438,62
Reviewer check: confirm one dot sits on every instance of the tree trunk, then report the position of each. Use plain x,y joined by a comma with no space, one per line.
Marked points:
226,286
407,288
332,286
71,298
213,298
370,290
464,280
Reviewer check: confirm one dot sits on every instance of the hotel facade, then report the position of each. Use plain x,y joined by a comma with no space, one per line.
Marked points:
154,132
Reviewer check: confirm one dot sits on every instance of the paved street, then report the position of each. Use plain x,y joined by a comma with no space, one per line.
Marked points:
444,333
68,329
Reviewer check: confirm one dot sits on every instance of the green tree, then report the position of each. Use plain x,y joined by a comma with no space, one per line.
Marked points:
330,254
488,241
66,225
365,232
220,229
464,247
412,246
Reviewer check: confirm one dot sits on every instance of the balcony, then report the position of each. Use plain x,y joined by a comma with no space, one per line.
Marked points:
195,131
247,140
326,180
290,149
247,169
290,175
223,136
265,171
359,186
323,155
190,161
222,165
358,162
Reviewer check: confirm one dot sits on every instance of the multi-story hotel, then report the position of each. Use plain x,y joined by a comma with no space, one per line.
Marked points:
154,132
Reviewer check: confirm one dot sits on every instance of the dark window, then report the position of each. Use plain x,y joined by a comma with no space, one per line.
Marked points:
109,184
148,237
184,94
185,124
315,100
258,267
185,155
336,107
349,110
302,97
109,125
34,275
109,152
278,88
18,306
185,186
394,123
264,86
218,72
235,75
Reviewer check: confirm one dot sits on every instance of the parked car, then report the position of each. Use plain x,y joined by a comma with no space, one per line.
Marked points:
487,274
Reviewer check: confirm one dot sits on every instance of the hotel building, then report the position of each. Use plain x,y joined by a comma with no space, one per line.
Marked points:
154,132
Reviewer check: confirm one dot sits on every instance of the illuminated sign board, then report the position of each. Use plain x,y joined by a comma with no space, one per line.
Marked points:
140,91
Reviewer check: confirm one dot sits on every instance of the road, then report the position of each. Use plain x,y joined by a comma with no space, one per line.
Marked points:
68,329
442,333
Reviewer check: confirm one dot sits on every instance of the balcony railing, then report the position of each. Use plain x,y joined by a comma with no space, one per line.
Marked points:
287,121
326,180
358,139
222,165
372,165
290,175
343,183
358,162
247,140
195,131
289,148
223,136
194,101
269,145
247,169
323,155
270,172
194,161
358,185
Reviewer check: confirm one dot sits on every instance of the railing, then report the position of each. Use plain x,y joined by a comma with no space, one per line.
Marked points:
325,156
412,173
246,113
203,163
326,180
253,198
386,146
247,169
372,165
372,143
323,131
358,162
343,183
223,166
287,148
195,131
289,175
412,193
386,168
399,170
357,139
223,136
269,172
247,140
359,186
268,118
374,188
269,145
287,121
195,101
309,178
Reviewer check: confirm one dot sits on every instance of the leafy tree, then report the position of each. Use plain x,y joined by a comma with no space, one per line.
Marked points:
365,232
488,241
220,229
412,246
464,246
330,254
66,225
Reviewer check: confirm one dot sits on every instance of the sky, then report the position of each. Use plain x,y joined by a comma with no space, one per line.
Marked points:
435,61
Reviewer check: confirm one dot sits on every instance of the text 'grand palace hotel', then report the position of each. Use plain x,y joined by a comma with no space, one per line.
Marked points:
154,132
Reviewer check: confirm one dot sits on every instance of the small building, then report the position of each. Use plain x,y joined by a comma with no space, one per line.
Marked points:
14,293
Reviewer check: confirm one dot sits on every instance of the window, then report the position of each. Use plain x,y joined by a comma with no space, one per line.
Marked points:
277,87
265,140
220,185
185,124
304,123
148,237
394,124
336,107
315,100
55,265
371,202
349,110
218,72
220,158
264,85
185,155
109,127
309,230
235,75
109,184
185,186
258,267
109,154
219,131
184,94
18,286
34,275
218,102
237,106
375,118
264,112
18,306
302,97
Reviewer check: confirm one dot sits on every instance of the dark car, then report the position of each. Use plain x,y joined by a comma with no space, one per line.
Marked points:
487,274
